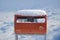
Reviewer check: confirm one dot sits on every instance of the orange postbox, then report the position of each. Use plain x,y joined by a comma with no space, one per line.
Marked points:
30,24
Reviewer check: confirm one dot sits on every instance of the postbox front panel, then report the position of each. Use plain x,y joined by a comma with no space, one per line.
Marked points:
30,28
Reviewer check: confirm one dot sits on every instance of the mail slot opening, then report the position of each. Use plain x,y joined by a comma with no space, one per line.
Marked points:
30,20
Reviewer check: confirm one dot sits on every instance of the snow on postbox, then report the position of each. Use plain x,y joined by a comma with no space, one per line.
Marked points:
30,22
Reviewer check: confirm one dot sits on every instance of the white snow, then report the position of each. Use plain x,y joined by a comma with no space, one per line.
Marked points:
31,12
7,26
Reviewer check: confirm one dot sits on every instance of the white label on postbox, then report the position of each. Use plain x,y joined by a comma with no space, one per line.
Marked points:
37,20
40,20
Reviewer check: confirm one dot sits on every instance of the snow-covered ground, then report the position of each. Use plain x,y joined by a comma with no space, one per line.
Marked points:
7,26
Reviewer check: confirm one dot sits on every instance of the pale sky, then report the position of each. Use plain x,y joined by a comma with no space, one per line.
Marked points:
13,5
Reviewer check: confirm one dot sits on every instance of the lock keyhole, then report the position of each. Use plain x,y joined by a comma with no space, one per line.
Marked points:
41,28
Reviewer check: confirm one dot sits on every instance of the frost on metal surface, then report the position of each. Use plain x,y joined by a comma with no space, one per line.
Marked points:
31,12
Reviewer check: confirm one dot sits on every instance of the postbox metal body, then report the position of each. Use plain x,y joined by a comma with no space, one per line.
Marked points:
30,25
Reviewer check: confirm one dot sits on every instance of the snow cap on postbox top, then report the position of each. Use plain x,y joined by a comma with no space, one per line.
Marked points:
31,12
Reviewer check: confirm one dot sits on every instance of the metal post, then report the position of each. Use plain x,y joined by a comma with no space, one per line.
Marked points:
16,36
